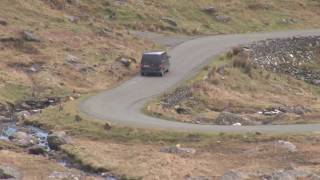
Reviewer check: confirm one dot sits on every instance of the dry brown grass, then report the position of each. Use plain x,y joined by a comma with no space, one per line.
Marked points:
33,167
213,160
244,92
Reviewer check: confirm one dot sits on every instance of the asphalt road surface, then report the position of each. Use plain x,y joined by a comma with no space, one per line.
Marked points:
123,104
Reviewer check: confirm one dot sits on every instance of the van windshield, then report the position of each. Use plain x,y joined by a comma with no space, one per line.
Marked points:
151,59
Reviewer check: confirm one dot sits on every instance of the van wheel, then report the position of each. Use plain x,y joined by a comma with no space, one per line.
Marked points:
142,74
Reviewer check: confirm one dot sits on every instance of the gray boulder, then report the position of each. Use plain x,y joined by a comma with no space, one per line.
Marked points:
286,145
3,22
170,21
28,36
56,140
223,18
291,175
23,139
10,173
227,118
178,150
234,175
210,10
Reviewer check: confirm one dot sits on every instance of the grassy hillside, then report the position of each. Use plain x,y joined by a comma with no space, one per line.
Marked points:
212,16
249,94
93,34
72,51
55,47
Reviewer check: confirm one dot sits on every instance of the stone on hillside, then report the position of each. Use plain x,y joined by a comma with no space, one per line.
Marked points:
107,126
210,10
291,175
170,21
73,19
57,139
227,118
234,175
23,139
286,145
182,110
29,36
7,172
71,59
223,18
4,119
3,22
178,150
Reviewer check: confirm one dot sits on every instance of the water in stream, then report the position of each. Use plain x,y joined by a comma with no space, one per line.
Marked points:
9,129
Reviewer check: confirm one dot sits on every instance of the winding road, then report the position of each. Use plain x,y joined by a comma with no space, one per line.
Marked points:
123,104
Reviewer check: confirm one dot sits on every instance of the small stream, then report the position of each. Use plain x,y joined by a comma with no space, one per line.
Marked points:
41,136
7,130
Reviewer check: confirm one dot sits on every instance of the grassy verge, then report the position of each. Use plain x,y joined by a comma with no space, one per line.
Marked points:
221,86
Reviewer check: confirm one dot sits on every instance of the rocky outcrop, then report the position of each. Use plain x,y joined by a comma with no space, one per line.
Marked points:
23,139
180,94
290,56
57,139
7,172
178,150
227,118
288,174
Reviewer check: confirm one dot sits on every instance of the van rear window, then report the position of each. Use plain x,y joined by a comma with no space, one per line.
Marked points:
151,59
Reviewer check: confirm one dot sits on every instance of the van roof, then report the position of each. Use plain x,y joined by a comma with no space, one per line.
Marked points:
154,53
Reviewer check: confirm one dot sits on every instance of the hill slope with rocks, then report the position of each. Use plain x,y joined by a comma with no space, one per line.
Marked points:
275,81
55,51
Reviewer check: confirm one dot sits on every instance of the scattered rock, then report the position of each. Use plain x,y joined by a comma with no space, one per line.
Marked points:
210,10
105,32
288,56
234,175
270,112
223,18
77,118
3,22
288,21
75,63
22,115
180,94
64,175
23,139
4,119
170,21
35,104
57,139
7,172
227,118
178,150
237,124
259,6
73,19
126,61
107,126
28,36
71,59
32,67
188,177
286,145
290,175
182,110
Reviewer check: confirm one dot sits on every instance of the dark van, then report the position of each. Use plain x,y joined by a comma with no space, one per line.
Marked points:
155,63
